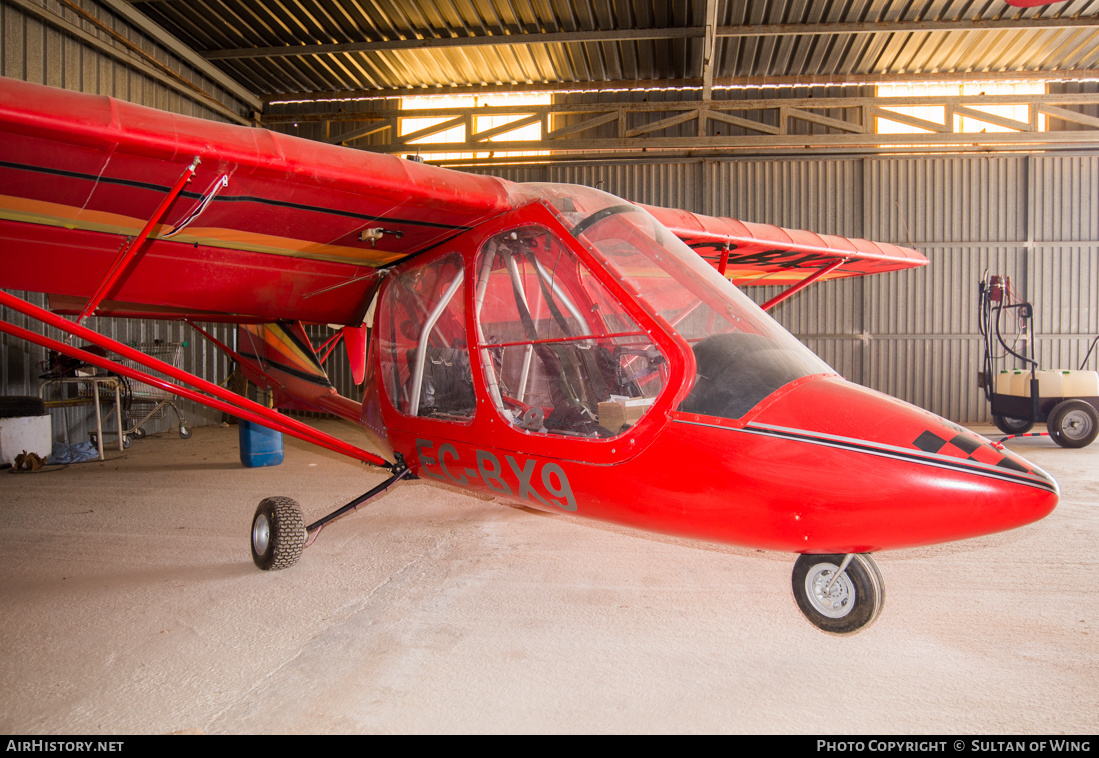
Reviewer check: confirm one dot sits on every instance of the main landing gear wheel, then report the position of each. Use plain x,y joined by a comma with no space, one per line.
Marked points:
847,605
278,533
1010,425
1073,423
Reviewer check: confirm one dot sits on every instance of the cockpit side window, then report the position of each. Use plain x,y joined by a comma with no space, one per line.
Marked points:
561,355
424,350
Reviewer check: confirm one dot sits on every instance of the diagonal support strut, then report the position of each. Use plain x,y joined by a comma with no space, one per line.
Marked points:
216,397
802,284
122,260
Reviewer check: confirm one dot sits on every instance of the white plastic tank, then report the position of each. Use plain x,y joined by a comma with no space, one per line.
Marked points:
1020,383
1051,384
1080,383
1003,383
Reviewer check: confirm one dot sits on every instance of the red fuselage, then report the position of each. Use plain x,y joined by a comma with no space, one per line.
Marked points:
763,485
811,465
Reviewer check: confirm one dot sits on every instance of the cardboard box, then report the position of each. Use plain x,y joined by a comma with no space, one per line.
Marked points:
620,411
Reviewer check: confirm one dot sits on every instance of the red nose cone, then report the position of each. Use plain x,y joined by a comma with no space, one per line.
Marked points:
886,474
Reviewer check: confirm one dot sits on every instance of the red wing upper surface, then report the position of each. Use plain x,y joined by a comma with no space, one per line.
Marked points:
269,227
766,254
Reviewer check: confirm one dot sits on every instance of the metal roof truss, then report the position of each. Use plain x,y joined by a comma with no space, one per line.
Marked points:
758,125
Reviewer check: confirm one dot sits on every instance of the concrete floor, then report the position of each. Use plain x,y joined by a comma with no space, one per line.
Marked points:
130,605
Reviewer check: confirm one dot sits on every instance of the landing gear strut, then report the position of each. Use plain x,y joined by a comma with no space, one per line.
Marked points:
279,533
839,594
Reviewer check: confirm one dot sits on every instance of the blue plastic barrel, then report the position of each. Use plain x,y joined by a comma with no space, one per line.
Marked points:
259,446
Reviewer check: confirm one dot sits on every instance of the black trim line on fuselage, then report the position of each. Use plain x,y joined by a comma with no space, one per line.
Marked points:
886,451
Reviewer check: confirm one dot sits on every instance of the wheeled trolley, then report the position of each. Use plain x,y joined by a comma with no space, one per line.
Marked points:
1067,401
147,402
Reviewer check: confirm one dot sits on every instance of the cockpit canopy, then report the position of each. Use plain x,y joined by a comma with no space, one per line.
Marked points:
742,354
561,354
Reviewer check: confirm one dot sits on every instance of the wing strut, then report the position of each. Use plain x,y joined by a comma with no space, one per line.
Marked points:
126,254
724,262
802,284
232,353
222,400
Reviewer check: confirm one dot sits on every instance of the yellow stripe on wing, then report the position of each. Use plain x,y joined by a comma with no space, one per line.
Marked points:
69,217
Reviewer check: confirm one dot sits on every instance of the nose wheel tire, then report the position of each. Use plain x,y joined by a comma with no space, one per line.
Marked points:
1073,423
847,605
278,533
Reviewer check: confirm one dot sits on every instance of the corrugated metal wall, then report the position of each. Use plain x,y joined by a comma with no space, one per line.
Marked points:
1063,266
39,52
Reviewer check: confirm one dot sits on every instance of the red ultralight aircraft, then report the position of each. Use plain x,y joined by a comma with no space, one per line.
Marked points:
550,344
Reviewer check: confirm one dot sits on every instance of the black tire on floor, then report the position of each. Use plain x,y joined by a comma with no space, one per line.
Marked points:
1073,423
139,433
855,599
17,406
184,432
1011,425
278,533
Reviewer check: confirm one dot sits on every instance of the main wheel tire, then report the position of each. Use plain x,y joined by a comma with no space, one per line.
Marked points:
1073,423
1011,425
278,533
855,599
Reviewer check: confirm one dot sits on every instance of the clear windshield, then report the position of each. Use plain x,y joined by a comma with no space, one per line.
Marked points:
742,354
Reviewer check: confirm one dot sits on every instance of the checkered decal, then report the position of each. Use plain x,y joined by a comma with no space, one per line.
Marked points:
964,446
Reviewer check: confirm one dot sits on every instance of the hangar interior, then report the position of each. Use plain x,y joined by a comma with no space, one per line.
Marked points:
966,130
766,112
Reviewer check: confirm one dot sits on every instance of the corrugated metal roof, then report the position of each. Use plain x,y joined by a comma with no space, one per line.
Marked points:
271,46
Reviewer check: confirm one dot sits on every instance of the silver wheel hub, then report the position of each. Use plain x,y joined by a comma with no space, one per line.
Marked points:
261,534
835,602
1076,425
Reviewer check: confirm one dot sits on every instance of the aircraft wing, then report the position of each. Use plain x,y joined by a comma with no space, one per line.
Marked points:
751,253
268,227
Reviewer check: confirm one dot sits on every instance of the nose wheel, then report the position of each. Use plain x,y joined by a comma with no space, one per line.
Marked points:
278,533
839,594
